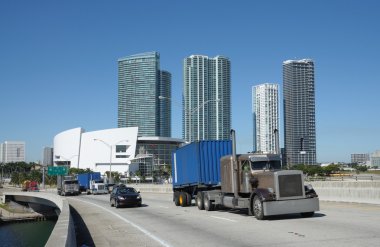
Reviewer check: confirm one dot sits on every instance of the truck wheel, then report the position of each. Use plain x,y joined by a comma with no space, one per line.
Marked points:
183,199
200,201
308,214
207,202
188,199
258,208
176,198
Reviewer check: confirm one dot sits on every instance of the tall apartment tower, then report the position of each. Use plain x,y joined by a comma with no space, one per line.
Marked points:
47,156
265,118
12,151
140,83
206,98
299,112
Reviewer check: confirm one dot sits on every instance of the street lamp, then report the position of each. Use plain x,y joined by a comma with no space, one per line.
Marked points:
110,147
190,112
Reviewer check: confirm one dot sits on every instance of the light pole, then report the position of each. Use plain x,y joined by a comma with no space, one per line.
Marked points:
190,112
110,147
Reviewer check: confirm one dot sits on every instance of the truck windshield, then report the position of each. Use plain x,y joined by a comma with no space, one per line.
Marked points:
266,165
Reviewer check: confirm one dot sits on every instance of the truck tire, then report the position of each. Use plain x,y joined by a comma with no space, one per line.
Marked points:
307,215
176,198
258,208
200,200
183,199
188,199
207,202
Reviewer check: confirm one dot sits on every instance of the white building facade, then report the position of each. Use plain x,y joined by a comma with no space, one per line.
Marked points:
12,151
101,151
265,118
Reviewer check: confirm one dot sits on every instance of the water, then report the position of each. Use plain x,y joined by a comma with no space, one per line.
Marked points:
35,233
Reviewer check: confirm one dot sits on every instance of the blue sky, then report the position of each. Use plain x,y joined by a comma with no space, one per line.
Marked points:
58,62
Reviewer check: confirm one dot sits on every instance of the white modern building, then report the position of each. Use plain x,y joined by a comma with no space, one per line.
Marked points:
101,151
119,149
265,118
12,151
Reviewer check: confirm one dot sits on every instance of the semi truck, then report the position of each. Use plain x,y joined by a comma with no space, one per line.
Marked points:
211,173
67,185
92,183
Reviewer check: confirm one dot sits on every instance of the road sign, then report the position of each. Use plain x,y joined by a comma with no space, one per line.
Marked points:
57,170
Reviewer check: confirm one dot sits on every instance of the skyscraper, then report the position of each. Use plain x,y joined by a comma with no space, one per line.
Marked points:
140,83
265,118
206,98
47,156
299,111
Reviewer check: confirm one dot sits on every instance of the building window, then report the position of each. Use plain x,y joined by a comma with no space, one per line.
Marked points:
122,156
121,148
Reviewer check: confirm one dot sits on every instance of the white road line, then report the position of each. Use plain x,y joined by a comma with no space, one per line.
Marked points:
146,232
221,218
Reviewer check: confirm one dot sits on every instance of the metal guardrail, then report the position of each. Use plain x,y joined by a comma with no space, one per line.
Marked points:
346,178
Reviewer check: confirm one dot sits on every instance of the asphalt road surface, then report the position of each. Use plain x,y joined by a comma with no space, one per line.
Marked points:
160,223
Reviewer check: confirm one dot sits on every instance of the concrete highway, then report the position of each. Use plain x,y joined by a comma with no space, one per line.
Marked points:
160,223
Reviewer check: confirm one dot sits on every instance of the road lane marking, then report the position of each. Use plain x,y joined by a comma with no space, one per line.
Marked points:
221,218
163,207
143,230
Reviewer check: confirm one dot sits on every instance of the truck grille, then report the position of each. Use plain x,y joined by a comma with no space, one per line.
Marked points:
290,185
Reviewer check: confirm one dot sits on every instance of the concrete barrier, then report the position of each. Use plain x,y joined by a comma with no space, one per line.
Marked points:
341,191
348,191
63,233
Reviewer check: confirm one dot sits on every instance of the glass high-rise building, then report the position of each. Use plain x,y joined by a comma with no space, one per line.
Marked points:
140,83
265,118
299,112
206,98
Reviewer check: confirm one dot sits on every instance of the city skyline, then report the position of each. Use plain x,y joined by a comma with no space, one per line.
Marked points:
59,63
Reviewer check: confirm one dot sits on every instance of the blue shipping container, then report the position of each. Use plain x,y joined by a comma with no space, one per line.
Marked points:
85,178
198,163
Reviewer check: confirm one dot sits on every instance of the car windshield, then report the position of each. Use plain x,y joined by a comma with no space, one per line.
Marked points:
266,165
127,190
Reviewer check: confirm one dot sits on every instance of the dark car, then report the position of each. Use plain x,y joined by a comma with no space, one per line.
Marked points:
125,196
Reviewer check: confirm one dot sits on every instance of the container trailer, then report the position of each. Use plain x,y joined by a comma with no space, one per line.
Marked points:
211,173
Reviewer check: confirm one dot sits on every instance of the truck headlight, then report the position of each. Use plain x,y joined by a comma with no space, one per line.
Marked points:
120,198
309,187
138,197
